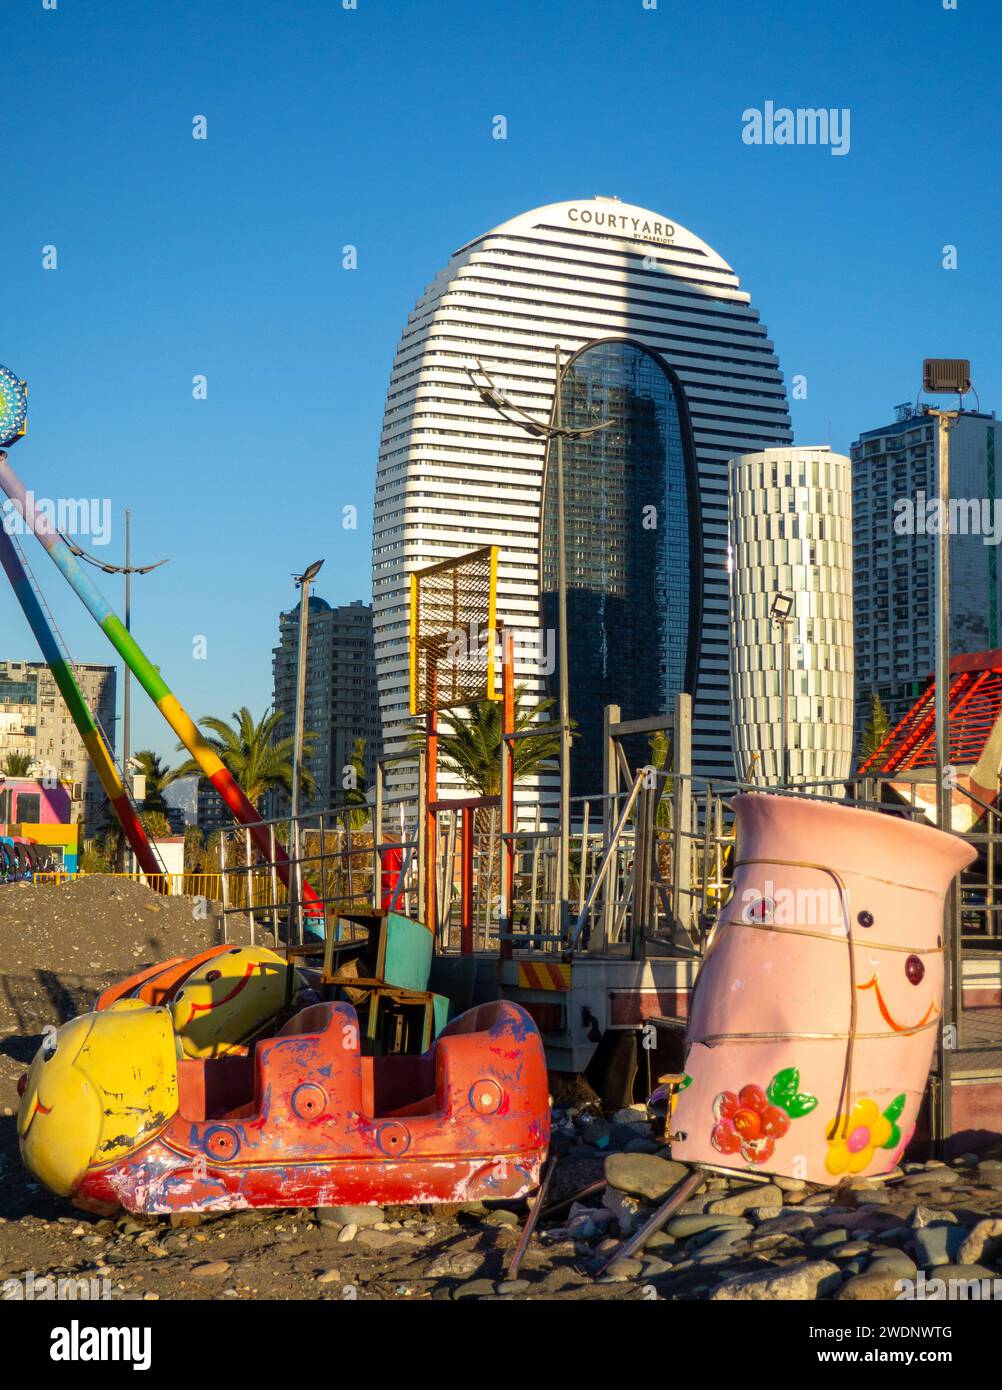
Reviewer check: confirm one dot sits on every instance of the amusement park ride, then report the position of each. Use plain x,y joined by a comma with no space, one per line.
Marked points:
397,1060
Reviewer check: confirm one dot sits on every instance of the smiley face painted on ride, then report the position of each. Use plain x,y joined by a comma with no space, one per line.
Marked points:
899,969
227,999
98,1087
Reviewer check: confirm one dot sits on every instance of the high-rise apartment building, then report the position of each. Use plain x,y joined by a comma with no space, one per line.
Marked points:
34,721
340,704
657,336
791,540
894,492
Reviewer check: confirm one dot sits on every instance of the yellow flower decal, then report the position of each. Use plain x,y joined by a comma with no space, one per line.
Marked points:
851,1150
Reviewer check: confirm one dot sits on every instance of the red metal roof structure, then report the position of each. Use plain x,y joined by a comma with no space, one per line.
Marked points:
975,707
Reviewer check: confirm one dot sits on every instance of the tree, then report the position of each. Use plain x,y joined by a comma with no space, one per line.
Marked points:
94,858
470,744
156,824
17,764
660,745
355,795
149,765
250,752
194,849
876,728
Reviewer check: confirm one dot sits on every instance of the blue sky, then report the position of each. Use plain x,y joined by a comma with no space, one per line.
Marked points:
373,127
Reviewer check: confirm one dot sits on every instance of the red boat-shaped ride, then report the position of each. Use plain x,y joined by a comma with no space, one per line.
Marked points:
302,1120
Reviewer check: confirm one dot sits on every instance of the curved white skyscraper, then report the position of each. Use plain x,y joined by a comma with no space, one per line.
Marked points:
686,371
791,537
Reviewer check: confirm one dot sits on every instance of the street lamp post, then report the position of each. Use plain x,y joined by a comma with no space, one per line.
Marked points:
303,582
949,375
942,376
128,570
780,612
554,430
944,815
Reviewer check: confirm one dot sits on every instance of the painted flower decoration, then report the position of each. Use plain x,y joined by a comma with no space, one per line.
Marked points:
868,1129
750,1121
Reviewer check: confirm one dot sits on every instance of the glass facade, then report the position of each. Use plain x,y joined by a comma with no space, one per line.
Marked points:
18,692
633,548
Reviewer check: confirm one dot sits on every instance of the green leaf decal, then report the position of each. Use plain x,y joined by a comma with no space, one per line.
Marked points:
893,1111
799,1105
783,1087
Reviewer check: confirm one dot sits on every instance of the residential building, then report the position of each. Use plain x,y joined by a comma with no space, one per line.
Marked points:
895,517
340,705
34,720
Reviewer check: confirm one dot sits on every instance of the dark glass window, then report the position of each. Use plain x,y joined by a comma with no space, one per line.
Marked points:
633,549
29,807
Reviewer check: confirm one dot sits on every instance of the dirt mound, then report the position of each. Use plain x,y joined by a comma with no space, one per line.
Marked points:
62,944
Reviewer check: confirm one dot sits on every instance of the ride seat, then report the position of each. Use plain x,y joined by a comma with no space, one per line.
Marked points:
333,1031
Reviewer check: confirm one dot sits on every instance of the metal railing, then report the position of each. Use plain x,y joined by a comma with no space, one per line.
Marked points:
651,860
177,885
970,1039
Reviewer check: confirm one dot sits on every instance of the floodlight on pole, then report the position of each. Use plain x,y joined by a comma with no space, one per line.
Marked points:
780,611
944,376
781,607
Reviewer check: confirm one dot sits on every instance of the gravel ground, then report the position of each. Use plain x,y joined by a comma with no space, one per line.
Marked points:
780,1239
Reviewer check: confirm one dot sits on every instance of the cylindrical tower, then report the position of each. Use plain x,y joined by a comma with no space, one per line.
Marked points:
790,568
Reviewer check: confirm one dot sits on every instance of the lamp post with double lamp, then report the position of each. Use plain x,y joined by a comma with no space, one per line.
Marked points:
127,570
303,582
781,611
552,430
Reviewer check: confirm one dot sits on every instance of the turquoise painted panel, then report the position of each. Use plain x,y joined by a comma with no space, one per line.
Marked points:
440,1010
407,963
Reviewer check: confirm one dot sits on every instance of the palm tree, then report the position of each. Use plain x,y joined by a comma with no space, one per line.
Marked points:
250,752
470,743
17,764
660,744
148,764
356,795
876,728
156,824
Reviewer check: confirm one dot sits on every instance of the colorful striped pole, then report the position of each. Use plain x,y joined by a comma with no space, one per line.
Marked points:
86,725
149,677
